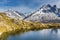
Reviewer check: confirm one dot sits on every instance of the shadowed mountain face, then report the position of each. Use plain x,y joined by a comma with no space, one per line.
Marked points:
46,13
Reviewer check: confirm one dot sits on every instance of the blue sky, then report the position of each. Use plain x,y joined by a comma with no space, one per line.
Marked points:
25,6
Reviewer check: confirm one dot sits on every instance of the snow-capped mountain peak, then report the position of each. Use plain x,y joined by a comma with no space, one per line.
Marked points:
14,14
46,13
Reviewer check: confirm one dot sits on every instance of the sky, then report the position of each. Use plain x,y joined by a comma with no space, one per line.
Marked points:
25,6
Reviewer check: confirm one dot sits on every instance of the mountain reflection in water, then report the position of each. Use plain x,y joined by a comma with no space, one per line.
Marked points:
45,34
54,30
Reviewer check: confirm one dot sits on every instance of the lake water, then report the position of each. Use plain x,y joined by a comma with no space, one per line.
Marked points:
45,34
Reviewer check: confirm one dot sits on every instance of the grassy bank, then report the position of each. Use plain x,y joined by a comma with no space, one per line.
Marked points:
28,28
10,26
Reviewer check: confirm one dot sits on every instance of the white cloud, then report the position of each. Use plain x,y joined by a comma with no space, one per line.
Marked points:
57,2
2,9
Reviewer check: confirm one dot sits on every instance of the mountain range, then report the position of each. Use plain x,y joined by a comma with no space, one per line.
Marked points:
46,13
